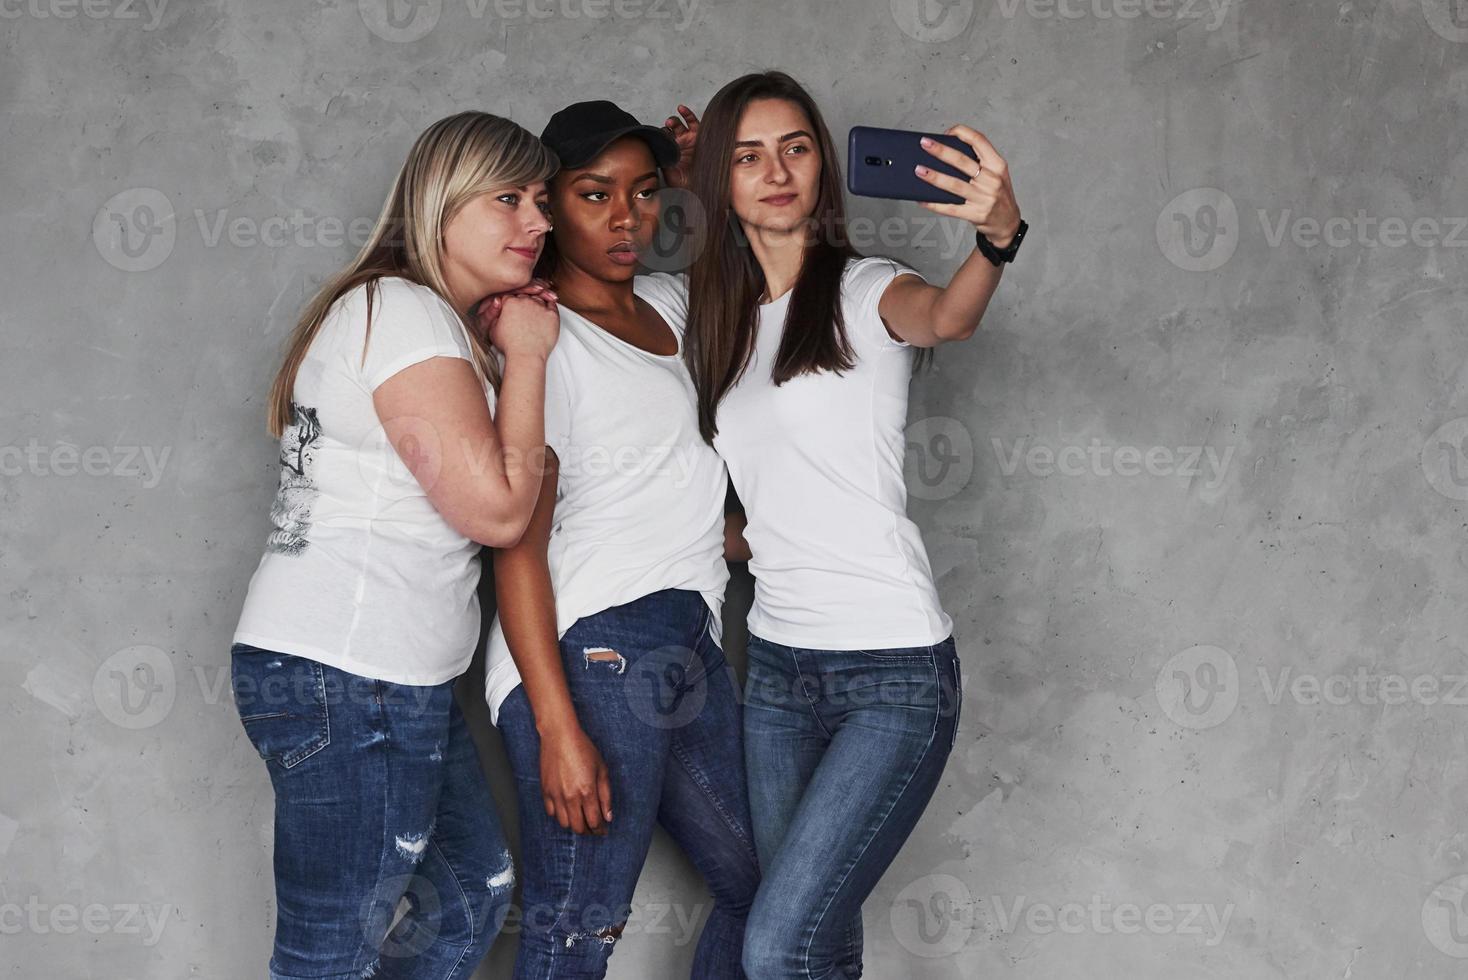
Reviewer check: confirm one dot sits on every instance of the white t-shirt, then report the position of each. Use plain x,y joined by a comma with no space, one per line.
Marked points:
361,573
817,463
640,500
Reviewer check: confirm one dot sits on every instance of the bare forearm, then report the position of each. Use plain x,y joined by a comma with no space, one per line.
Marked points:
520,424
527,611
959,308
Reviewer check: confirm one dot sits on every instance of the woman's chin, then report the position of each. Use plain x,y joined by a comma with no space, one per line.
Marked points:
512,276
609,271
780,223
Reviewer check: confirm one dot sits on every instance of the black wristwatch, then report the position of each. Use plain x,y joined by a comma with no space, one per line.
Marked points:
1001,255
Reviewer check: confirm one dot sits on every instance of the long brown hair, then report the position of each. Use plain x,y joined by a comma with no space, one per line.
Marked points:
725,280
453,161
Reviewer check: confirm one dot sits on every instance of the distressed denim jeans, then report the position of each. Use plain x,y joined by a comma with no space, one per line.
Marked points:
844,749
380,805
654,694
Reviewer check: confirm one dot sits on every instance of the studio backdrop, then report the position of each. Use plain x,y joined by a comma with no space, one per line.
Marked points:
1194,493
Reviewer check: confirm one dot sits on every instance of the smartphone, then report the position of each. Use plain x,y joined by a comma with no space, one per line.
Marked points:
880,162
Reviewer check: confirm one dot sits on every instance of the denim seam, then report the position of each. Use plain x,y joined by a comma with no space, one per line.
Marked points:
678,752
800,676
957,701
246,719
295,759
468,906
713,798
570,889
386,828
872,834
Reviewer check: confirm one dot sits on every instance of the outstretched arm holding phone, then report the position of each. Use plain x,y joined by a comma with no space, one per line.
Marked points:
925,315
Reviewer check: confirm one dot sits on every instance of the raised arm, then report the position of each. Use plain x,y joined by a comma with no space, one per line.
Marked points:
574,783
685,134
925,315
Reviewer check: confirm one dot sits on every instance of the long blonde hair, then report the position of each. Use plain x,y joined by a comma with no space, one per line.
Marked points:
453,161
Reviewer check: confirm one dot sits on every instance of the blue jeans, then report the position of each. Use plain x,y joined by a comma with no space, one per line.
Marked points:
844,750
378,798
665,718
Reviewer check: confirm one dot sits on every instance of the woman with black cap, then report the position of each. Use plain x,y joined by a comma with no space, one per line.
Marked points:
604,670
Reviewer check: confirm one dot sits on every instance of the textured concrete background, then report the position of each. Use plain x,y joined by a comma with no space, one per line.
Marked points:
1195,495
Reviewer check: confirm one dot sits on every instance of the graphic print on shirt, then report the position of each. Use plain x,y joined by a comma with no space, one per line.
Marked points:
291,512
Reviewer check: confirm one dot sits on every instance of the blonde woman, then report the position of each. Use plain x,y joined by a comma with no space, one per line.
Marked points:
409,413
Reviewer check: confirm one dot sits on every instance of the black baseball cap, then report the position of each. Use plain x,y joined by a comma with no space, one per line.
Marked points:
580,131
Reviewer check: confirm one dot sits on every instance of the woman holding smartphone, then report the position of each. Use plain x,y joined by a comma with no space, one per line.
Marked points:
604,671
802,352
362,611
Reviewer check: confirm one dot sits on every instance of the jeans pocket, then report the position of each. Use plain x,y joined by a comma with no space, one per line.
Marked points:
898,655
281,700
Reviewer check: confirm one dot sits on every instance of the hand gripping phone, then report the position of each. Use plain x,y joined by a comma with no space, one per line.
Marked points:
880,162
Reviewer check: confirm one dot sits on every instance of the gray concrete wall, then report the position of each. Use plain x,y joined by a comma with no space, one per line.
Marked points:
1195,494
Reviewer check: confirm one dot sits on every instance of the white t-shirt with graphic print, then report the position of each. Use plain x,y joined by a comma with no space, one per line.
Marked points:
817,463
640,500
360,572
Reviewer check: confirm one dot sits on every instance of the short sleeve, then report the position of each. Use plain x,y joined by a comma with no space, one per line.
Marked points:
865,282
558,392
668,293
410,323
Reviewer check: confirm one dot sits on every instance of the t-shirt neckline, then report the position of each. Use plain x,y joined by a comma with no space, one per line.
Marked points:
662,315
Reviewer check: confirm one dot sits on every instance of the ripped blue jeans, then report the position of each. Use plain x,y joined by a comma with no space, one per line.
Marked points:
655,696
380,805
